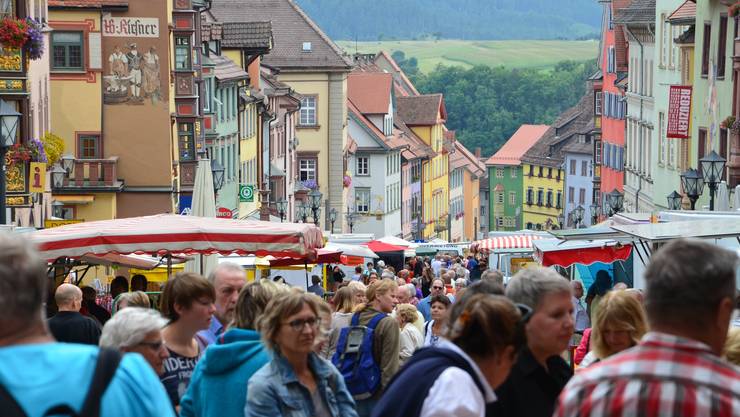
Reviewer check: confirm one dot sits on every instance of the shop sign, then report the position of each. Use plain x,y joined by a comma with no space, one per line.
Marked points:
224,213
38,177
679,112
246,193
131,27
11,60
48,224
12,86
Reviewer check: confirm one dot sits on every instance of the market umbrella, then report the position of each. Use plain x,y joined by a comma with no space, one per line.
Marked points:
173,234
722,199
378,246
503,242
203,205
323,256
410,250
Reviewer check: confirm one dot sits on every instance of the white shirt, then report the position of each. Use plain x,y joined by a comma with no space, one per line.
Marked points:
410,340
454,393
436,266
580,316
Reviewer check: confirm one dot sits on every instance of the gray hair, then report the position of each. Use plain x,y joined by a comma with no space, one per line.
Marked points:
224,267
461,282
130,326
493,275
411,289
688,273
22,283
529,286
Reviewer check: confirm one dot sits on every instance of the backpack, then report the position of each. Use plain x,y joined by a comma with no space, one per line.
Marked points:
105,368
354,357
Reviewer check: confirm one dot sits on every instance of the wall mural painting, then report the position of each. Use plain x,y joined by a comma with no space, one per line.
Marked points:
133,77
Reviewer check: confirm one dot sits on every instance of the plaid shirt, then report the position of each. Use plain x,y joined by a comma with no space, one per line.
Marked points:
663,376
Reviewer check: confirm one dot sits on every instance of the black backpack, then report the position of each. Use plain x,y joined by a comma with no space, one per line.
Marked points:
105,368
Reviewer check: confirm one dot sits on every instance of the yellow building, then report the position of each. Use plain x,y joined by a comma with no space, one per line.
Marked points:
312,65
425,115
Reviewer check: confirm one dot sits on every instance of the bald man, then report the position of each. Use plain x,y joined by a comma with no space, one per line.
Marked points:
68,325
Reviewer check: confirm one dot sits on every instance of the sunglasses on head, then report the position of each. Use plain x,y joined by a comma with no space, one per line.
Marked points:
520,337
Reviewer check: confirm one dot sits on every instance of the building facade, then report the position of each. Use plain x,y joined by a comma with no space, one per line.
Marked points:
578,188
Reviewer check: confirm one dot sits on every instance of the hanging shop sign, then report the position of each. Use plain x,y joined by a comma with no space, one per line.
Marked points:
679,112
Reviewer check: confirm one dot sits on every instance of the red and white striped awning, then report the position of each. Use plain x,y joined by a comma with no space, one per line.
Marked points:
504,242
171,233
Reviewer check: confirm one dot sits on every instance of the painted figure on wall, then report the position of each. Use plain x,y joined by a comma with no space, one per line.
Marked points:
150,81
134,72
133,77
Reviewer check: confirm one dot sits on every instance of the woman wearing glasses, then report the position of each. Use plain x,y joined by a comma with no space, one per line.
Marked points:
139,330
457,377
296,382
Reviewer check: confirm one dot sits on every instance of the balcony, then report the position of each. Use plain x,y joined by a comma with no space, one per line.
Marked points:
93,175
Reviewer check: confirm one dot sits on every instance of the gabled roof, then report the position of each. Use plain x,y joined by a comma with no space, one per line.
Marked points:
684,15
388,142
292,29
517,145
638,12
370,91
247,35
403,85
227,70
422,110
417,148
87,4
462,158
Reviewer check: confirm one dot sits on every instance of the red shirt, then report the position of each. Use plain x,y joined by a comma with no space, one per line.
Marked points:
664,375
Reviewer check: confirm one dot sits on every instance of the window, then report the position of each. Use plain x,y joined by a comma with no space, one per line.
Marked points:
722,46
559,200
530,195
582,196
499,172
363,165
539,172
540,196
362,200
500,198
571,194
499,222
307,169
207,95
597,151
182,53
67,51
549,198
723,149
611,60
512,198
702,149
572,167
597,102
88,147
308,111
513,170
705,49
662,149
186,141
663,40
584,168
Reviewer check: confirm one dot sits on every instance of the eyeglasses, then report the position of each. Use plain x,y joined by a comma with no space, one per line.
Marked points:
438,288
298,324
155,346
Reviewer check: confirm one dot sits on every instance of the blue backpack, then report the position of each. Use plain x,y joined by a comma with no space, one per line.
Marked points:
354,357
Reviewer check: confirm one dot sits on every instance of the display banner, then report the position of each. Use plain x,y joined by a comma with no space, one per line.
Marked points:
679,112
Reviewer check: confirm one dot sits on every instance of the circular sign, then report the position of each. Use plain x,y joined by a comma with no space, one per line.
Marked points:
246,193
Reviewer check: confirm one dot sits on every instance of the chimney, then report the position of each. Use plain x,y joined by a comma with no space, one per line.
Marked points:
477,153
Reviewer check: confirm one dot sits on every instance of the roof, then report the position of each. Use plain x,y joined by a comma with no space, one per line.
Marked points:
686,38
247,35
462,158
417,147
389,142
583,148
638,12
402,82
88,4
518,144
370,91
684,15
421,110
227,70
292,29
571,123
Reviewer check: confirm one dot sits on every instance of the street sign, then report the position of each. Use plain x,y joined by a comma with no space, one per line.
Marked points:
48,224
246,193
224,213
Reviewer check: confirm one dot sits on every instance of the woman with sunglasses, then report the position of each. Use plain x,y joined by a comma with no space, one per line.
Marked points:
457,377
296,382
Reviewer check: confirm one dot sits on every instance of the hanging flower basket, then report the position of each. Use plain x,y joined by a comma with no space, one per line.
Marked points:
21,153
347,181
735,128
310,184
22,34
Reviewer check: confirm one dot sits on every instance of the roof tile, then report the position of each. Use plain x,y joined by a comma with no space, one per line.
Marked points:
88,4
370,91
248,35
517,145
421,110
226,69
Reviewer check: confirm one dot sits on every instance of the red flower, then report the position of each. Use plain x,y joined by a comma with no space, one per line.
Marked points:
13,33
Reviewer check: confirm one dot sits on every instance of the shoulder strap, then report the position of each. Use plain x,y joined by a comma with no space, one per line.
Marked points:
108,360
9,405
355,319
375,320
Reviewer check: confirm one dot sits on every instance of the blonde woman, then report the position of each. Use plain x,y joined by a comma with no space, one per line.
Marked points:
343,307
618,325
358,292
410,338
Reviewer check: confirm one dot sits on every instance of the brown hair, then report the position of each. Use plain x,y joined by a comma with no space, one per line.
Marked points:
253,299
442,299
280,308
618,310
344,300
182,290
133,299
485,325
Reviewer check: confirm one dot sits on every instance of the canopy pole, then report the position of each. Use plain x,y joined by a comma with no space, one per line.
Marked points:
169,265
305,268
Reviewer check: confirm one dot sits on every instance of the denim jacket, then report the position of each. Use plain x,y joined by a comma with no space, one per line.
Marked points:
275,390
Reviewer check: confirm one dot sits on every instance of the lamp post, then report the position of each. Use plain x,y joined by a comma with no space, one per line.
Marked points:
712,166
351,217
282,207
332,218
693,185
57,176
615,199
674,201
578,216
218,175
315,199
56,208
9,119
594,213
68,163
302,211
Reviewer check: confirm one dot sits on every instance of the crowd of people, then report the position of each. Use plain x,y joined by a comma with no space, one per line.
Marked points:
439,337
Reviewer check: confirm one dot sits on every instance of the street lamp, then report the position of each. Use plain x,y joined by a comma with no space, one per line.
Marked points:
57,176
282,206
615,199
332,217
302,211
712,166
351,217
9,119
56,208
594,213
674,201
693,185
68,163
315,199
578,215
218,175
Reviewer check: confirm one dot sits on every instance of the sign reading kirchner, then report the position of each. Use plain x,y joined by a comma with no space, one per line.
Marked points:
679,112
131,27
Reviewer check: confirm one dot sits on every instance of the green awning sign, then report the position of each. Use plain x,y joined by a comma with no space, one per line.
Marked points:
246,193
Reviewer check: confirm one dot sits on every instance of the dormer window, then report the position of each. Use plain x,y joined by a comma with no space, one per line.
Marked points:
306,47
388,125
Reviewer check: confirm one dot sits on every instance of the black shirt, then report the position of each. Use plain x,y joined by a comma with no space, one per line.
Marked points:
96,311
73,327
530,390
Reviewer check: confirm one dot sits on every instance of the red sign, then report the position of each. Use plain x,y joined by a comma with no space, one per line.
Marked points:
224,213
352,260
679,112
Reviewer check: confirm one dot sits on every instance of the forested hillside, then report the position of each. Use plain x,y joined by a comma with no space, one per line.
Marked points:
459,19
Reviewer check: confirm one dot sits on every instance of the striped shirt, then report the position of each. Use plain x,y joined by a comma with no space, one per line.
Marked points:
664,375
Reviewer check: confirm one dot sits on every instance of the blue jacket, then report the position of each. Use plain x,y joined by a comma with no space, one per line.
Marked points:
275,391
218,386
425,307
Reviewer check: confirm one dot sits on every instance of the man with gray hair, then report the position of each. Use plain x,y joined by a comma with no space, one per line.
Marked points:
38,374
68,325
539,373
493,275
228,278
139,330
676,368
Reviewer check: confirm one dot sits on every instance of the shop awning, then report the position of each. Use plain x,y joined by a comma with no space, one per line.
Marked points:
378,246
74,199
550,252
351,250
323,256
700,229
504,242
